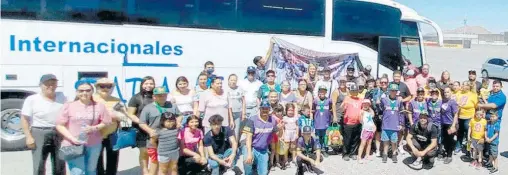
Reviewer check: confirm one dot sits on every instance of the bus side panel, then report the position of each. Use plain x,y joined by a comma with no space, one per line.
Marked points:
90,73
27,77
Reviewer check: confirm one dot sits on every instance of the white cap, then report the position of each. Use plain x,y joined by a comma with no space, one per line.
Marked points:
410,72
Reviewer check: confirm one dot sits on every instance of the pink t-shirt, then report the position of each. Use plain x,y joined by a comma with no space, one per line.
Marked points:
74,115
190,138
212,104
352,110
422,80
412,85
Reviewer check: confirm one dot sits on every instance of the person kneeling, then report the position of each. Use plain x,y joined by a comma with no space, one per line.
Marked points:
220,143
308,152
422,142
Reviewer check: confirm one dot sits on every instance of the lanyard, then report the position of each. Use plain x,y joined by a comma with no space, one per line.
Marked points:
421,106
433,107
393,104
321,104
160,108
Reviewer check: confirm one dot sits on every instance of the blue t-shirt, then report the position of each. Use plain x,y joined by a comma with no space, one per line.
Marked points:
304,121
499,99
492,129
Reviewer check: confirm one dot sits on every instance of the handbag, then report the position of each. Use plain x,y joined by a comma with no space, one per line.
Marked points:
125,135
74,151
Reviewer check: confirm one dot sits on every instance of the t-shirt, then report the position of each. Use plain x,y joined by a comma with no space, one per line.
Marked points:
303,100
323,113
412,85
287,98
305,121
403,90
42,112
434,109
330,85
422,134
265,89
219,143
110,102
478,128
168,142
212,104
307,148
139,101
448,110
467,103
422,79
151,115
493,128
198,93
392,118
498,98
235,97
76,115
290,123
484,92
418,108
190,138
368,121
185,103
362,93
352,109
262,132
250,90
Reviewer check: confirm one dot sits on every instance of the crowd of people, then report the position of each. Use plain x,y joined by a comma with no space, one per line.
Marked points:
209,127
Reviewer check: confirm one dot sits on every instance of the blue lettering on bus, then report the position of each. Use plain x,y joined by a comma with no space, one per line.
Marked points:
39,45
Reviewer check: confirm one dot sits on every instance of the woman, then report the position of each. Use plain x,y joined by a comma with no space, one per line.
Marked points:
287,96
192,155
200,89
135,106
468,101
449,117
79,123
311,77
338,97
303,96
236,97
183,98
104,88
444,82
456,88
215,101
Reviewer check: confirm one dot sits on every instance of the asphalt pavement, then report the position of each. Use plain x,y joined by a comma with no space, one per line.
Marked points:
456,61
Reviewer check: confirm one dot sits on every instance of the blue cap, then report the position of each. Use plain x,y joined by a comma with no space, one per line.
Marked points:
265,104
393,87
47,77
251,69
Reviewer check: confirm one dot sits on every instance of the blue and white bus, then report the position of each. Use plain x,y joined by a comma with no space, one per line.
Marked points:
126,40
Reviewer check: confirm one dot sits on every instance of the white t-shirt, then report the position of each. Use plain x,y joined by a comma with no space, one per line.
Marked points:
251,91
42,112
368,121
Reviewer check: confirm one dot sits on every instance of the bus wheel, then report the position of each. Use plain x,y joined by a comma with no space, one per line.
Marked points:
13,138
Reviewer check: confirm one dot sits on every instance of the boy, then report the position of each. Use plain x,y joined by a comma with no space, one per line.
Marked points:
477,132
352,106
308,152
392,121
322,113
492,137
305,119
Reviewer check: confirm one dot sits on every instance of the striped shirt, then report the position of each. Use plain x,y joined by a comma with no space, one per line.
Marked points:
168,142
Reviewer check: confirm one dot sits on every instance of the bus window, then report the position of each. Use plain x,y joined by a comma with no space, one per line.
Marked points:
389,53
293,17
410,43
364,22
217,14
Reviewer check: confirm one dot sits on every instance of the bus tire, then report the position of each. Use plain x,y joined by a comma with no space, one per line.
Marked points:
13,138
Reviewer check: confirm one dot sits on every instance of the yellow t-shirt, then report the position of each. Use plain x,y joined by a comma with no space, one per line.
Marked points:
109,103
467,104
484,92
478,127
362,94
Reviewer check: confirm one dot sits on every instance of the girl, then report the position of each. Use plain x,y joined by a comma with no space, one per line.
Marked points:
277,115
167,144
484,91
444,82
200,89
290,134
368,130
237,101
192,151
456,88
183,98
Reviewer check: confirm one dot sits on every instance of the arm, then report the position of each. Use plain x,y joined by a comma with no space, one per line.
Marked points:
244,109
230,118
433,144
234,148
318,155
410,114
310,104
143,123
26,112
335,94
409,140
299,154
213,156
187,151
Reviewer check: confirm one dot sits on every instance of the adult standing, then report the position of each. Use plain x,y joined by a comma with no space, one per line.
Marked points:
41,137
260,68
311,77
270,85
352,128
475,85
496,101
350,74
326,82
236,97
444,82
468,101
183,98
410,81
215,101
422,142
380,93
338,97
201,88
367,73
250,86
423,77
221,146
303,97
79,123
403,92
449,116
135,106
287,96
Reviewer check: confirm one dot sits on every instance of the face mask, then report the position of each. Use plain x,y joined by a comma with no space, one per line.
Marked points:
209,71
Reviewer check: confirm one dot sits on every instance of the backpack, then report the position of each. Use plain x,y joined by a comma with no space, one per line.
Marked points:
334,137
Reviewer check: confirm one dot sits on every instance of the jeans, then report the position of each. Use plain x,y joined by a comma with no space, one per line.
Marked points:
87,163
111,159
321,134
215,166
305,166
432,153
462,132
237,117
447,140
351,139
260,158
47,142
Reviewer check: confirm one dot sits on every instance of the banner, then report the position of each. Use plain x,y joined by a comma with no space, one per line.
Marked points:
291,62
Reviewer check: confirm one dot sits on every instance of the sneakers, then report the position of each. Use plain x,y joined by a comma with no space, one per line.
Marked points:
440,157
447,160
378,154
417,164
457,150
229,172
345,158
354,157
361,161
325,154
493,170
394,159
385,158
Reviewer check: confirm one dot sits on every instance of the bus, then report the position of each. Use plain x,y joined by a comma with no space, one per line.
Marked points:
126,40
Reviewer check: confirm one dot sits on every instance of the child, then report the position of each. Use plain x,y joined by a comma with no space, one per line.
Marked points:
277,115
322,113
308,152
492,137
478,128
167,144
305,119
368,129
484,91
290,133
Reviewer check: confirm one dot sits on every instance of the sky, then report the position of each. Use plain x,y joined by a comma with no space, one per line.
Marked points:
449,14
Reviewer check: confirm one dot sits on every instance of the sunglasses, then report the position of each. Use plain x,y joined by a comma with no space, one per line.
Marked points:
105,86
384,82
84,90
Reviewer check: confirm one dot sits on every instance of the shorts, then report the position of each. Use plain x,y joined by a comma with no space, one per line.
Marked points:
367,135
173,156
152,154
389,135
476,145
290,135
493,150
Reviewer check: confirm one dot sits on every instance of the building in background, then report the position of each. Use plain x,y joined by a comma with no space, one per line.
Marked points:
464,37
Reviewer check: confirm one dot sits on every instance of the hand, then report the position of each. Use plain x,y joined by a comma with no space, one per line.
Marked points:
481,141
452,130
232,125
197,158
488,140
228,162
335,120
399,127
248,160
30,142
316,163
399,98
378,101
411,123
76,141
153,133
203,161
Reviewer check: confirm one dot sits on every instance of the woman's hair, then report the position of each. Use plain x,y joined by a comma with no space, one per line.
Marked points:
203,73
289,105
442,75
485,82
80,83
192,117
147,78
167,116
278,108
232,75
215,119
181,79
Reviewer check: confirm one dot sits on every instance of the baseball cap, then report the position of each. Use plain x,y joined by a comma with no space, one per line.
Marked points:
353,87
472,72
251,69
410,72
306,130
47,77
424,115
368,68
104,81
434,90
350,66
342,78
420,89
366,101
265,104
322,87
159,90
393,87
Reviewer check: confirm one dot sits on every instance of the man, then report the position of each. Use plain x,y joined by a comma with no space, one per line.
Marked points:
472,78
496,101
208,68
403,92
221,146
422,142
350,73
41,137
422,78
149,121
251,86
367,72
352,106
326,82
260,68
308,152
258,132
410,81
270,85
